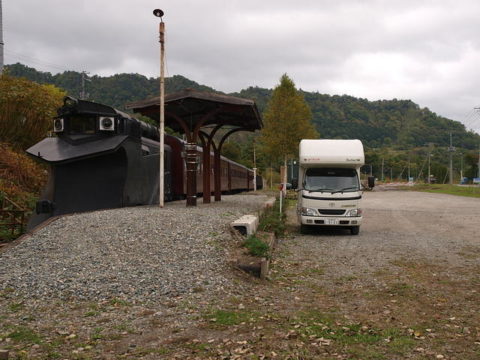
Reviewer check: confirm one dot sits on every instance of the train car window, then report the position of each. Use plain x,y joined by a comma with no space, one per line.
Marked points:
81,125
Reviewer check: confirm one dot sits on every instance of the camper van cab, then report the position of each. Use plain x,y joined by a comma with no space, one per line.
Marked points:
328,185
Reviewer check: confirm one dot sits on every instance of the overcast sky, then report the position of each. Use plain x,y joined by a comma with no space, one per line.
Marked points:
426,51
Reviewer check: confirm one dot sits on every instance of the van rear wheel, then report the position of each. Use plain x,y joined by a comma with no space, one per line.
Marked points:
355,230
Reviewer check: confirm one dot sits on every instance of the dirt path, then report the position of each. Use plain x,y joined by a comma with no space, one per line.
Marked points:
407,287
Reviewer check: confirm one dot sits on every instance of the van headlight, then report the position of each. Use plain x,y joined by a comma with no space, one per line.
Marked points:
308,211
354,212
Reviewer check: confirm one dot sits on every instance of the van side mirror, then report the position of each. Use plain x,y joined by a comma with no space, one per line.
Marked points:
294,183
371,182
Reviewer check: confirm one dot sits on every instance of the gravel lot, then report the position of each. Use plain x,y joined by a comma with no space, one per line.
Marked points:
139,253
400,225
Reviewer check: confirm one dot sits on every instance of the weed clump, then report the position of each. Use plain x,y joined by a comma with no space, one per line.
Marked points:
256,246
272,221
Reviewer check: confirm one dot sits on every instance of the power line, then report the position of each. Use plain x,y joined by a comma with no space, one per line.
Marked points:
29,58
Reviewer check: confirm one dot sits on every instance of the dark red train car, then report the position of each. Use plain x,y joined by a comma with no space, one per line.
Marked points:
234,177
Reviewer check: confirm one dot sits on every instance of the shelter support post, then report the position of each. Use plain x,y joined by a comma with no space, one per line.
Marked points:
192,164
207,144
207,191
218,175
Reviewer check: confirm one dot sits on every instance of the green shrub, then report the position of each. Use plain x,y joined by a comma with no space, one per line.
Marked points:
256,246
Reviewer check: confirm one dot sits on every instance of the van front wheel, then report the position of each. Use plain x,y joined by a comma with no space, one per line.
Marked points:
304,229
355,230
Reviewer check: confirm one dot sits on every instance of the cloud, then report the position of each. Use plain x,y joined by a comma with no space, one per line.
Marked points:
426,50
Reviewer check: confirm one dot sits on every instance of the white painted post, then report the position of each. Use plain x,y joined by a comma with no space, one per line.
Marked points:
162,114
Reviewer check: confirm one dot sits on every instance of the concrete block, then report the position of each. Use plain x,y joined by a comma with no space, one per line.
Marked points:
246,225
269,203
264,268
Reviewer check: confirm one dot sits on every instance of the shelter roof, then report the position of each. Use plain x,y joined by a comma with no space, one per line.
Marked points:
192,105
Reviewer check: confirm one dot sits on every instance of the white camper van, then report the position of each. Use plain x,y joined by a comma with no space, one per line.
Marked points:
329,189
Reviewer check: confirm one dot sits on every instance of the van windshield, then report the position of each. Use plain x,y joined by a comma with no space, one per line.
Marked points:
331,180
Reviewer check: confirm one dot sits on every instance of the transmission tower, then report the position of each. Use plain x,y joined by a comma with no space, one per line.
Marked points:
83,94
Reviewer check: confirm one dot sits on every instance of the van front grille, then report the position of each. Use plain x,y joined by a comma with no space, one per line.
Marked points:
331,211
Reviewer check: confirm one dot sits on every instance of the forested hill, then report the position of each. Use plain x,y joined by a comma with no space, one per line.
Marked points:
400,123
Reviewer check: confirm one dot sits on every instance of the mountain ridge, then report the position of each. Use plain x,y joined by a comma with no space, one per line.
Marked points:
399,123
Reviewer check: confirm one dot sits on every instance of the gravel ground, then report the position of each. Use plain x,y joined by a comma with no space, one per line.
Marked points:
405,288
139,253
398,225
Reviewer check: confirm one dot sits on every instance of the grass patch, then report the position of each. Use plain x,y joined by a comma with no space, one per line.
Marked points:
470,191
401,288
16,307
229,317
314,323
125,327
6,234
256,246
25,335
97,334
119,302
91,313
151,351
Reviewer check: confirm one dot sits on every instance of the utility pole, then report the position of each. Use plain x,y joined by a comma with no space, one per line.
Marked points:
408,180
451,150
159,13
461,167
430,148
383,163
254,168
478,161
83,93
429,155
1,39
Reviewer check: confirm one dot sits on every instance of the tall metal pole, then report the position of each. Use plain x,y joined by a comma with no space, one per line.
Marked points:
451,149
461,167
254,168
429,155
1,39
383,163
408,180
161,193
478,161
162,112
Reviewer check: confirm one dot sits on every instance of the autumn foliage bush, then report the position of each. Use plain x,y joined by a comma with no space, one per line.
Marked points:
21,178
26,110
26,113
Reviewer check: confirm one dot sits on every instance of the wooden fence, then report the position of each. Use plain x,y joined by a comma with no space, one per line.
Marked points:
12,219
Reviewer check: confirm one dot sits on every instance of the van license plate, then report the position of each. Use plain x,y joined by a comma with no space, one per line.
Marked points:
331,221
